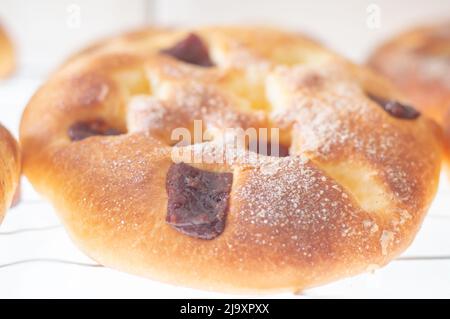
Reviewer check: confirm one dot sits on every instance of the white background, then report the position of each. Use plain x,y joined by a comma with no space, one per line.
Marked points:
37,258
45,35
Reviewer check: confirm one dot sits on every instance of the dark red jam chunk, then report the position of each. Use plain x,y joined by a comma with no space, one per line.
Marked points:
395,108
283,151
191,50
280,150
82,130
197,200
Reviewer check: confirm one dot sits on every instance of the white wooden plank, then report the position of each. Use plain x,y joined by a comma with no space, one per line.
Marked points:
400,279
49,263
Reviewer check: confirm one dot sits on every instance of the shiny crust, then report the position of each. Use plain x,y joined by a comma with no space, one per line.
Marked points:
418,62
350,198
9,170
7,61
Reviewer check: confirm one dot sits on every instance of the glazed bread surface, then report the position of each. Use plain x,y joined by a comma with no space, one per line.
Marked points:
349,198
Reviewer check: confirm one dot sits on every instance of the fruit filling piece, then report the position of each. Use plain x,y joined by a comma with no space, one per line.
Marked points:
396,109
198,200
191,49
82,130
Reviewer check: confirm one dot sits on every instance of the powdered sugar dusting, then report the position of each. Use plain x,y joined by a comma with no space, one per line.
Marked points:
296,200
386,239
333,121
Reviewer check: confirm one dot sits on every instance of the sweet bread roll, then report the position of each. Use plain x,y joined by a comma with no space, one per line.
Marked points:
418,62
7,61
9,170
356,171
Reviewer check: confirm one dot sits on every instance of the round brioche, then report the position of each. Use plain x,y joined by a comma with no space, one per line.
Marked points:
9,170
7,61
418,62
349,198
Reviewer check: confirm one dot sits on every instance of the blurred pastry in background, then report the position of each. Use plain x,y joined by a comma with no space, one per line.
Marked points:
418,62
9,170
7,61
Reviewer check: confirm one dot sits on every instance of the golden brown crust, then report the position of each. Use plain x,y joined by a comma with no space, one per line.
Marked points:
418,62
9,170
350,197
7,61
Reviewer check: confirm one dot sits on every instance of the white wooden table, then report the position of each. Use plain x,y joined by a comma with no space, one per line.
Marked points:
37,259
